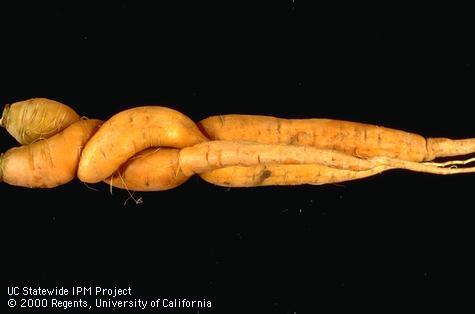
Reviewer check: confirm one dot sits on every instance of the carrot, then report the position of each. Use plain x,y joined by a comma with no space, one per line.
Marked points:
357,139
214,155
49,162
130,132
154,148
265,175
154,169
36,118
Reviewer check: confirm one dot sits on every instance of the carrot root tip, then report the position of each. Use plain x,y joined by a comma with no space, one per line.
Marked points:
451,163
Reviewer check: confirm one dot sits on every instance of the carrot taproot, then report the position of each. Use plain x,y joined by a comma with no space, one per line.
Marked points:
153,169
36,118
266,175
130,132
48,162
212,155
209,156
353,138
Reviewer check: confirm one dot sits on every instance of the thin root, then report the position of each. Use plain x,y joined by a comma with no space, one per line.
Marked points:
131,195
434,168
450,162
90,187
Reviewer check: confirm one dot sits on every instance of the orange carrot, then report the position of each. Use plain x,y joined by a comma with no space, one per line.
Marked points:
264,175
154,169
213,155
357,139
130,132
154,148
49,162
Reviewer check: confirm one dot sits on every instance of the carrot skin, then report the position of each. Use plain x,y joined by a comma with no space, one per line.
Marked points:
352,138
213,155
49,162
267,175
150,170
130,132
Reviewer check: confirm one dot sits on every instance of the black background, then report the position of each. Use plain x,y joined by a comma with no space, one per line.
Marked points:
402,238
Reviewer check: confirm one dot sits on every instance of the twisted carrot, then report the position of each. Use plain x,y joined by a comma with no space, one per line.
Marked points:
155,148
